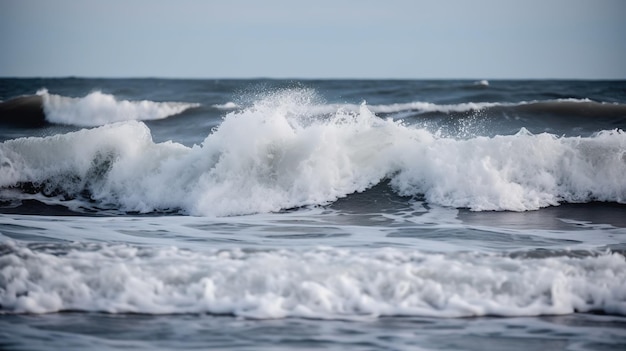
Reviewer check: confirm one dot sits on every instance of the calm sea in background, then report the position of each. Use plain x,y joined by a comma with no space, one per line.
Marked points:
156,214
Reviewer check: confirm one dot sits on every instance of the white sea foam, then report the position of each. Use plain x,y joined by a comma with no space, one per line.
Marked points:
276,155
98,109
315,283
227,106
422,107
417,107
428,107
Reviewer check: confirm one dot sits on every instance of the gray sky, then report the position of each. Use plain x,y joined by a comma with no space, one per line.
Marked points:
314,39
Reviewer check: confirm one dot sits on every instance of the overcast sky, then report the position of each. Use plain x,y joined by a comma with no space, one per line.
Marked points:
314,39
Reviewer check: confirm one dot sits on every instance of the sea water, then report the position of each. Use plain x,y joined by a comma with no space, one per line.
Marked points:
273,214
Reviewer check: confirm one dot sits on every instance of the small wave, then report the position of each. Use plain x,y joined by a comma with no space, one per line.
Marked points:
558,107
315,283
98,108
227,106
574,107
426,107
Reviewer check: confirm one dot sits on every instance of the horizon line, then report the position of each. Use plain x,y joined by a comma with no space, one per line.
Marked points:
305,78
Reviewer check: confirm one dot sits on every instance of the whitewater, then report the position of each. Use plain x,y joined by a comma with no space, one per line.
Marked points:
314,214
98,108
273,156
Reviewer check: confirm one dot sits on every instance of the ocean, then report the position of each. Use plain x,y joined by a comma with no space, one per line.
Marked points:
159,214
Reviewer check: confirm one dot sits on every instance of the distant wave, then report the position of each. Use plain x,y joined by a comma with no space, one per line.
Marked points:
558,106
565,107
95,109
227,106
98,108
274,156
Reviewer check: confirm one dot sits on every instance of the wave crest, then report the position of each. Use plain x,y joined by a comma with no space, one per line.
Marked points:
98,108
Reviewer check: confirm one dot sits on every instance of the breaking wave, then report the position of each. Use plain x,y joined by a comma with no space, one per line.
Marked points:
278,154
97,109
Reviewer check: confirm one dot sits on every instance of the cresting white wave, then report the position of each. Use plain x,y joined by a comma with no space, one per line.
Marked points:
227,106
416,106
317,283
275,156
98,109
423,107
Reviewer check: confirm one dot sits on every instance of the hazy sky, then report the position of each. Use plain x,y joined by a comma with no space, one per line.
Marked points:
314,38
